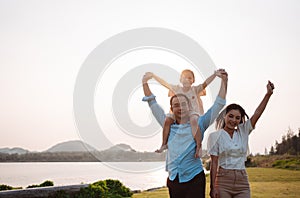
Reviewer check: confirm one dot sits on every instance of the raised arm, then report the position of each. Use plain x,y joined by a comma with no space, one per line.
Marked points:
209,80
261,107
156,109
208,118
146,88
202,86
224,82
161,81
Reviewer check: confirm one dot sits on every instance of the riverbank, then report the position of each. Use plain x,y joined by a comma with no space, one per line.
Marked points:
42,191
100,189
152,174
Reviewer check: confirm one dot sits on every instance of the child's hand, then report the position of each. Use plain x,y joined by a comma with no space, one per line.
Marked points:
150,74
146,77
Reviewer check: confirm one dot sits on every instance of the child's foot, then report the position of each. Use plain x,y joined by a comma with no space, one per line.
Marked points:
162,148
198,151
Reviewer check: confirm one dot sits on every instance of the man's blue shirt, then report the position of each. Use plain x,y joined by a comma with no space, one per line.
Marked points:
181,144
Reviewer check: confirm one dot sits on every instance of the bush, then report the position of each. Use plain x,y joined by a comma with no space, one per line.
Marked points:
5,187
250,162
292,164
44,184
33,186
92,191
47,183
117,188
105,189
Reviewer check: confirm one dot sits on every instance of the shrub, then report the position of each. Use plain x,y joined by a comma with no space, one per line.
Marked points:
117,188
293,164
92,191
5,187
47,183
105,189
33,186
44,184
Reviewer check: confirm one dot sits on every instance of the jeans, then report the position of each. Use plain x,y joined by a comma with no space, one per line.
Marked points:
195,188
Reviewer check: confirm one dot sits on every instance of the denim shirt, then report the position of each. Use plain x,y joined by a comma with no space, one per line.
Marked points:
180,158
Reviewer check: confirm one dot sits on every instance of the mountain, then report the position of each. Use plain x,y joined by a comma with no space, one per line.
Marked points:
76,151
120,147
15,150
71,146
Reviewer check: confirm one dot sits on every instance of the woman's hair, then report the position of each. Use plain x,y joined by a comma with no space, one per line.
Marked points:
220,123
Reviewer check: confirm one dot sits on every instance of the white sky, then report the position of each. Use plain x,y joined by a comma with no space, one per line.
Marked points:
43,45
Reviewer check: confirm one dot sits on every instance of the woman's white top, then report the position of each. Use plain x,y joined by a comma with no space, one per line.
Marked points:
233,151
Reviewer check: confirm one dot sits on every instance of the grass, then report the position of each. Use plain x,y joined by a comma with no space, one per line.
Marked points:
264,182
291,162
160,193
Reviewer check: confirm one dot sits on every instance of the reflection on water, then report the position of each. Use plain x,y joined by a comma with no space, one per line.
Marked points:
135,175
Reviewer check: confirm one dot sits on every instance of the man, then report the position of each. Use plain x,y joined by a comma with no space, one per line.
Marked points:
186,176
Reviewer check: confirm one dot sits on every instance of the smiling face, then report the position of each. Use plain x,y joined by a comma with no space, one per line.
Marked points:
187,78
232,119
180,107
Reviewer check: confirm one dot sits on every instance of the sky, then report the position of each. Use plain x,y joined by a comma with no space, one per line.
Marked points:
45,45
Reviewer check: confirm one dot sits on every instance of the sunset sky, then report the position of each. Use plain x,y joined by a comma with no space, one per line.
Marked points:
44,45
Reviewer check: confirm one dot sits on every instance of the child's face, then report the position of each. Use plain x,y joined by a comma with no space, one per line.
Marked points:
187,79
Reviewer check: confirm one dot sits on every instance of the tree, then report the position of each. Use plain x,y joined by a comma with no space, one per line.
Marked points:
272,152
290,144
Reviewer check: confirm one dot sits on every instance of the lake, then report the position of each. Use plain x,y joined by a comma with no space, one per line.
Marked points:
134,175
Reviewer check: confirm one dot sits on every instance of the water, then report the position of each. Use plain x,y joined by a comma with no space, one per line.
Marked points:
134,175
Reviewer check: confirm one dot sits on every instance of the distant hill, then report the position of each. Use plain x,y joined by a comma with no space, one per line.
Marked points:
15,150
77,151
71,146
121,147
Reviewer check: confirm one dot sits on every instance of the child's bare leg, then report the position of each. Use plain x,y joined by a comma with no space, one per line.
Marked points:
166,131
197,134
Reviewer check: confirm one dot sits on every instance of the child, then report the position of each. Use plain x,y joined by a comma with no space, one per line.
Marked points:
187,78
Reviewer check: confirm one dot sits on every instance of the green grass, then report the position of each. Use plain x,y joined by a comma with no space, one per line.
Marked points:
160,193
293,164
264,182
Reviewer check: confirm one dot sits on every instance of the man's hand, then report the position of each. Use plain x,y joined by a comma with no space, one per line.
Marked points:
219,72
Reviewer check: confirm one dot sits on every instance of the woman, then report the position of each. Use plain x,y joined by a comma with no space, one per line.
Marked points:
228,149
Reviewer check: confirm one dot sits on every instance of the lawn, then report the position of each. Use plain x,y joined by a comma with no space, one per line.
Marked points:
264,182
